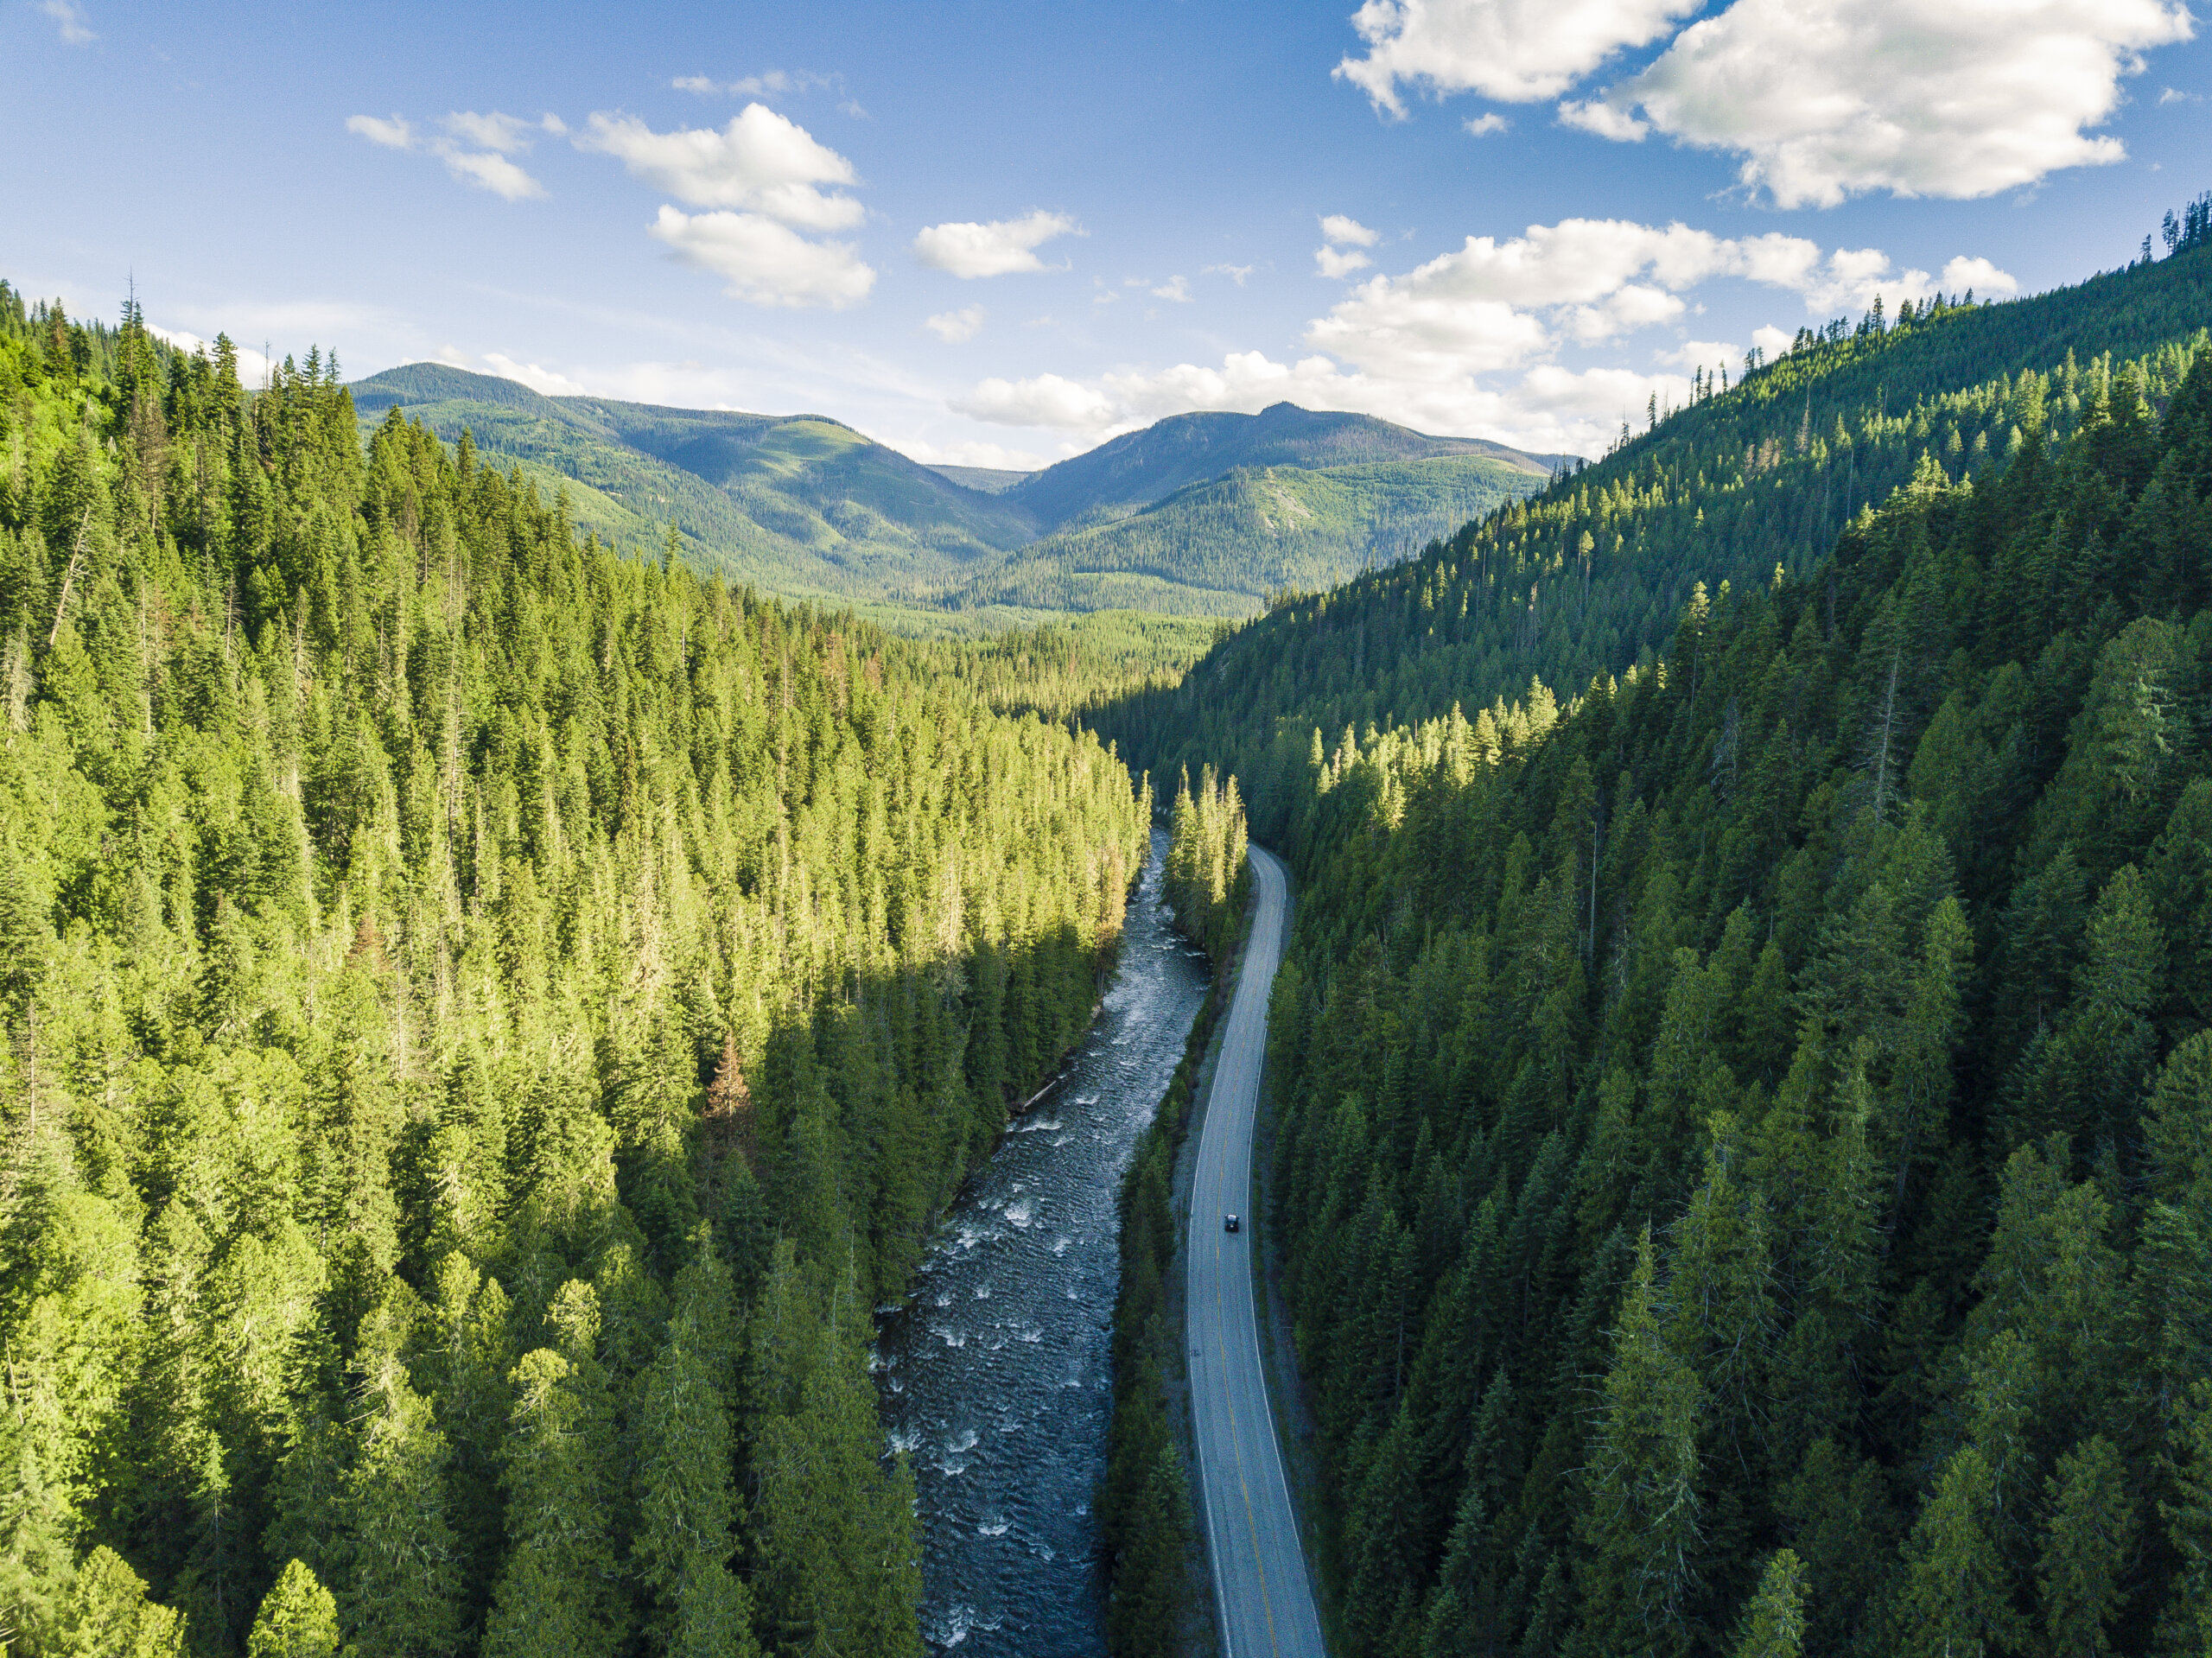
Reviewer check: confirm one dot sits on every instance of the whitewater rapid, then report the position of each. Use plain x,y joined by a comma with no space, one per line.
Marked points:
995,1376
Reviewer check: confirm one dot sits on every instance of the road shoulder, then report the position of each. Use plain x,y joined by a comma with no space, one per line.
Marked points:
1288,1396
1177,1282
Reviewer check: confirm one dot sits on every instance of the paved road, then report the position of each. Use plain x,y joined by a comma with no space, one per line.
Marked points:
1265,1599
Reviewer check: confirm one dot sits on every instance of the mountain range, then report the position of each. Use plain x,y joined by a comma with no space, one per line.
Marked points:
1202,514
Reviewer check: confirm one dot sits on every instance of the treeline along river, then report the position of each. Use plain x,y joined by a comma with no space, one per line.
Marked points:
995,1376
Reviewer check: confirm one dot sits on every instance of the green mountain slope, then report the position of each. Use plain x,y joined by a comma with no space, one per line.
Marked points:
800,504
1139,468
866,494
1587,576
1201,515
1220,547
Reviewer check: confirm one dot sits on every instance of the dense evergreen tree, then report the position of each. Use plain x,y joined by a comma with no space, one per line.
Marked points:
297,1619
1588,576
453,976
1777,1075
1207,879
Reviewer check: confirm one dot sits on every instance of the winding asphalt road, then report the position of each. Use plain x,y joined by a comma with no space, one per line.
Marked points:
1261,1587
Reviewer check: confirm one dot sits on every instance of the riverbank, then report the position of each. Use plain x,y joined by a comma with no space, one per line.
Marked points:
995,1376
1159,1598
1157,1595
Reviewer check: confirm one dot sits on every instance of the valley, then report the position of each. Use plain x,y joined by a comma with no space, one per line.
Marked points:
599,1002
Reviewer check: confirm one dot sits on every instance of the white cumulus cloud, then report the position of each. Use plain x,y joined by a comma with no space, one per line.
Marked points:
1343,237
1819,99
1978,277
1001,247
1597,116
1707,354
1039,400
1470,341
1237,274
1481,126
761,163
955,326
1175,288
765,262
1827,98
545,380
1637,305
1515,51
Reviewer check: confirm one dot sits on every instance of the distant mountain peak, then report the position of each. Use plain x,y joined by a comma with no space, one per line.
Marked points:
1234,503
1137,468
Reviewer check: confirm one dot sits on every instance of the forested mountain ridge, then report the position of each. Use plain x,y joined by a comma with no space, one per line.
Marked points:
1745,1136
808,506
1139,469
1222,546
802,504
1586,576
485,1020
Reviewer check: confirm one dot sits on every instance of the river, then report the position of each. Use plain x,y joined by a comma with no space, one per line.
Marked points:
995,1376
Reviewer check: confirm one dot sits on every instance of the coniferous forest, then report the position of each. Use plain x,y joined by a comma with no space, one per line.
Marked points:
1744,1115
487,1019
489,1016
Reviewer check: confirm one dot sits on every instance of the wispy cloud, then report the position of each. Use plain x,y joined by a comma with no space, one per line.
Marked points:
477,149
769,83
69,18
489,170
397,133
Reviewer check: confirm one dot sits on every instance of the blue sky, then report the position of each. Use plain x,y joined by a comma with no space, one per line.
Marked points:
998,233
